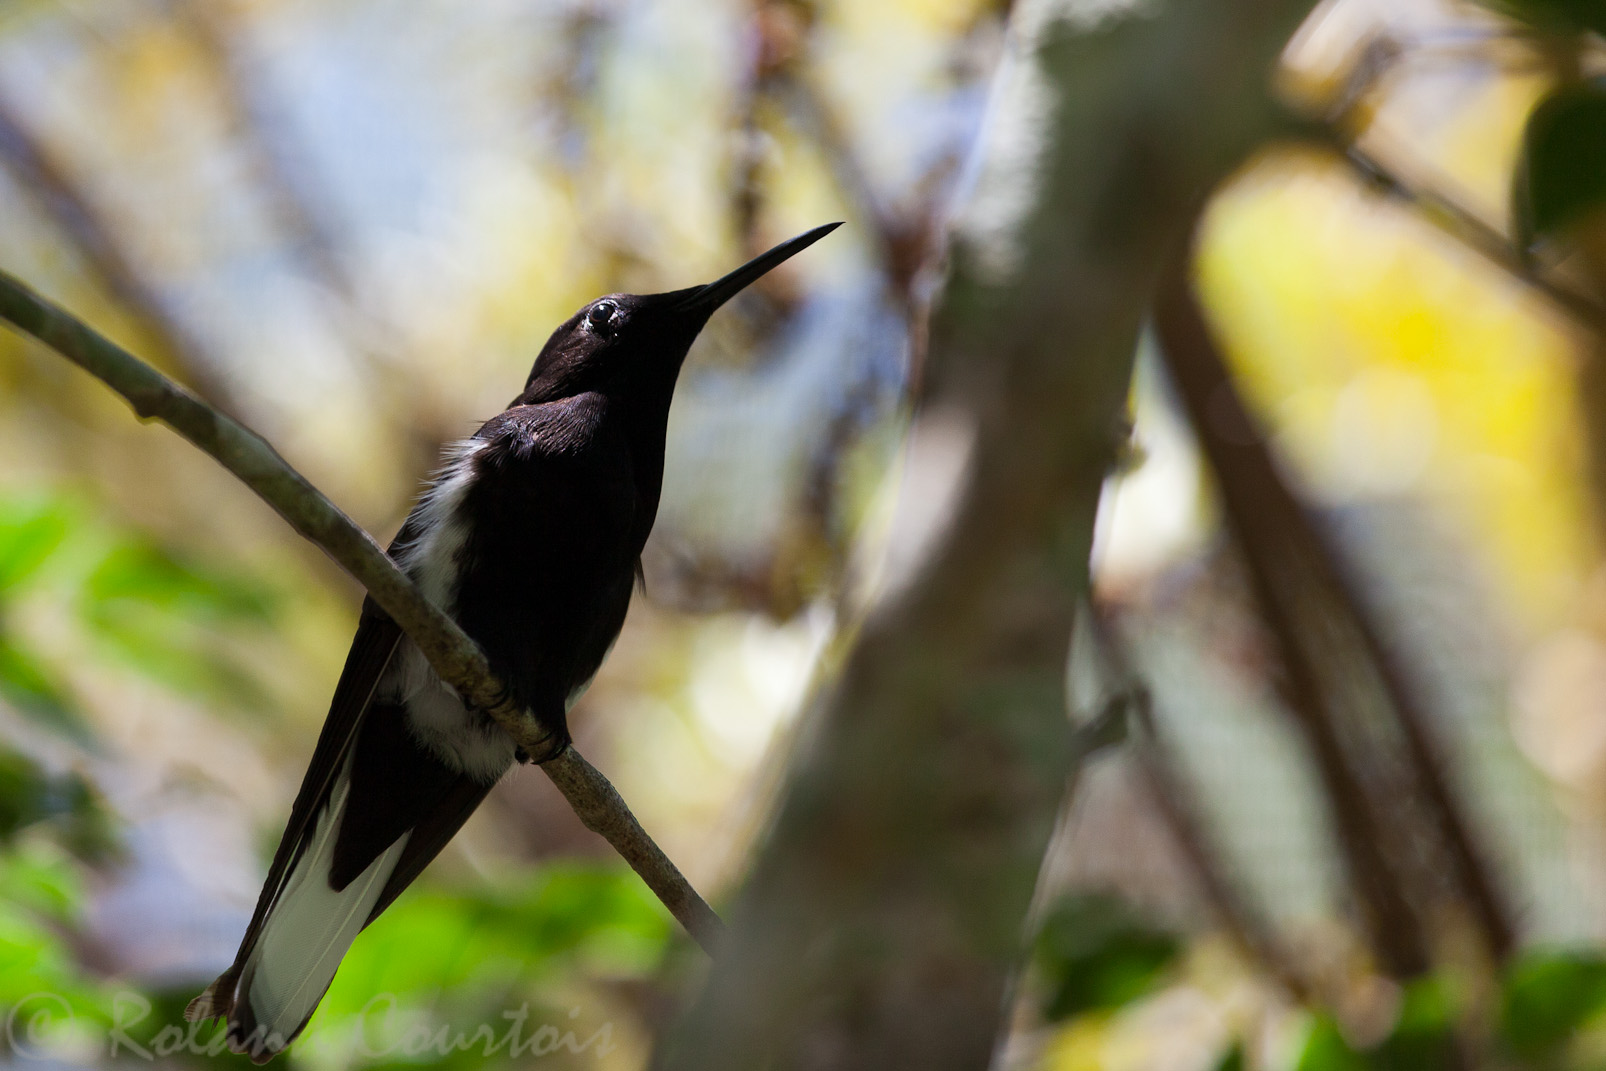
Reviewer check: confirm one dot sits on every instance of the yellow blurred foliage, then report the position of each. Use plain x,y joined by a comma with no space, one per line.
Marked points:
1385,358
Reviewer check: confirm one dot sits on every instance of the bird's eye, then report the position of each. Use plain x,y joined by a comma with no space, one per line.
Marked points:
600,317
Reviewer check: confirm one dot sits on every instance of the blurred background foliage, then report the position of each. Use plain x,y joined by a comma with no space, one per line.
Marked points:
353,223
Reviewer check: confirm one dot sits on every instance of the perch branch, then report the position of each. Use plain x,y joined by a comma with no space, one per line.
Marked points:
452,654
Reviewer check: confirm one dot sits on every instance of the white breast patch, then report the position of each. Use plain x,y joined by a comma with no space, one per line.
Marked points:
431,558
440,721
435,712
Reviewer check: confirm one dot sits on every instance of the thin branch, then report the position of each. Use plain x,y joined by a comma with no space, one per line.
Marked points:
909,236
1339,121
1340,130
1471,231
1397,934
451,653
1340,124
604,812
1291,560
907,239
773,37
1179,808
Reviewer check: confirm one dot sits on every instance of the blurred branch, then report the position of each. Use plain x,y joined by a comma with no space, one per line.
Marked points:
774,35
306,211
279,162
1317,617
1344,119
39,172
451,653
884,916
908,239
1471,231
1180,810
906,242
1496,247
1395,930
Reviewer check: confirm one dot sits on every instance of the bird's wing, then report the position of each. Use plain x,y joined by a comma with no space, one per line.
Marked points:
457,801
371,650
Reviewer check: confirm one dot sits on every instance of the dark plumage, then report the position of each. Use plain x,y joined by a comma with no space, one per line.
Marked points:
530,536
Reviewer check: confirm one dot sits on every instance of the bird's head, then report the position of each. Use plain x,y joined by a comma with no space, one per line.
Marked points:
636,342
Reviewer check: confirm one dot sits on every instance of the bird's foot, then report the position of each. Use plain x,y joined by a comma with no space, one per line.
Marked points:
547,749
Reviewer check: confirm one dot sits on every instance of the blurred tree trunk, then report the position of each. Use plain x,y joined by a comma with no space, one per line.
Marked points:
884,918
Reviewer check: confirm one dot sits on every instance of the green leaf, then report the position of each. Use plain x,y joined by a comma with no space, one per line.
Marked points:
603,912
30,532
32,689
141,573
22,791
1556,16
1547,996
1423,1038
45,996
490,936
1095,952
1233,1059
167,619
1563,170
30,795
183,657
40,878
1326,1050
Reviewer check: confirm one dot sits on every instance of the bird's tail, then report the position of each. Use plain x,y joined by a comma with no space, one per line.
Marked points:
268,996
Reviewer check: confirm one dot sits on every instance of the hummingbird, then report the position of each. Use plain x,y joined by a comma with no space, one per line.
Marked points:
530,535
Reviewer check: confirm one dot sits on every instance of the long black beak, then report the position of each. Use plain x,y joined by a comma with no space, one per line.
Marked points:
708,298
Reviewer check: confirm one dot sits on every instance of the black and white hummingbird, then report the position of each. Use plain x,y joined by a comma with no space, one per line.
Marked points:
530,536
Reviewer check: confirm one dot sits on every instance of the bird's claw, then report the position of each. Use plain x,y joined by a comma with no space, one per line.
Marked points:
550,747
